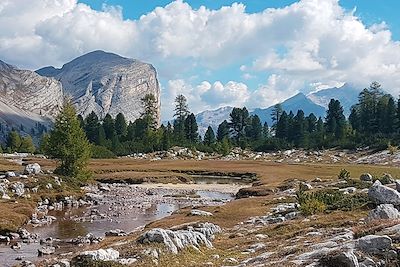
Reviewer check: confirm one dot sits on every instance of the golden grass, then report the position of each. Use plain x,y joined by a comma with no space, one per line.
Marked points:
14,214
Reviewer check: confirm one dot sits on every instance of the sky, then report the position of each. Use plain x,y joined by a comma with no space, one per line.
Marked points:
251,53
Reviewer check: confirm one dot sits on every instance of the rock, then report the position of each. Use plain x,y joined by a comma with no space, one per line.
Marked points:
200,213
231,261
16,246
348,190
49,186
383,195
32,169
255,247
374,243
116,232
62,263
368,262
175,240
4,238
10,174
111,84
23,176
340,258
109,254
18,188
128,262
24,234
366,177
27,264
384,211
104,188
292,215
46,251
305,186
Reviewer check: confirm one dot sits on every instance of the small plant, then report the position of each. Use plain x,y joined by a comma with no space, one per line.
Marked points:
344,174
312,206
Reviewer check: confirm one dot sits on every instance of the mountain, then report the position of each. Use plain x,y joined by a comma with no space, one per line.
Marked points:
27,100
212,118
346,94
107,83
294,103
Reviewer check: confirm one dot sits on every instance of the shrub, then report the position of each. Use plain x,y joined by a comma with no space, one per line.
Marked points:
312,206
101,152
344,174
392,149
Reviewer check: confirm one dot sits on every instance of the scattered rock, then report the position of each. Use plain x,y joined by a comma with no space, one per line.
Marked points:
340,258
32,169
46,251
18,188
116,232
175,240
384,211
200,213
10,174
383,195
366,177
374,243
101,254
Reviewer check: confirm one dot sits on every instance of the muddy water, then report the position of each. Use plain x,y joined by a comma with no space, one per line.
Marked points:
125,207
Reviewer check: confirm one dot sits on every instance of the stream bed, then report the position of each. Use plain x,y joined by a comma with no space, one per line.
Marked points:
118,206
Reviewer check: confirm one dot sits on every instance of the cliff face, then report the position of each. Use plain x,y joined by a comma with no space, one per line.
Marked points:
27,98
107,83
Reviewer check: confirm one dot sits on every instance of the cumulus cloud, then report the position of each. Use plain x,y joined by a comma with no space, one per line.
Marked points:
309,44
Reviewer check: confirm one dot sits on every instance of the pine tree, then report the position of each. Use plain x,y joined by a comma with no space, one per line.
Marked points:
91,126
282,127
390,117
311,123
68,144
265,131
239,120
109,127
335,120
120,125
298,129
14,141
101,136
209,137
181,112
276,114
354,119
27,145
149,103
167,137
81,121
191,129
223,131
256,128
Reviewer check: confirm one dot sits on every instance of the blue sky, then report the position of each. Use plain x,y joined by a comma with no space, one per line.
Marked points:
215,52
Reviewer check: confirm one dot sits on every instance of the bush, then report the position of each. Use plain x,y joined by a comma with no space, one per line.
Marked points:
101,152
312,206
392,149
344,174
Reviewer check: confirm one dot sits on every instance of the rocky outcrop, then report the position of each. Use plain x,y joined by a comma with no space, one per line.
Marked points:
193,235
384,211
107,83
27,98
381,194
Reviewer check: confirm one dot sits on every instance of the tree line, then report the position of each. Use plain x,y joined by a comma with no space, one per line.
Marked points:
374,121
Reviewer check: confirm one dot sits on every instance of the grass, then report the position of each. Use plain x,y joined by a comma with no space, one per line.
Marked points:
14,214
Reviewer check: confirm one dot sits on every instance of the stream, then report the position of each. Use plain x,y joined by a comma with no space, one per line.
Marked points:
119,206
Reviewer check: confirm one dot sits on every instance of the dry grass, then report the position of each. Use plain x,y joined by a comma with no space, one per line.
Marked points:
14,214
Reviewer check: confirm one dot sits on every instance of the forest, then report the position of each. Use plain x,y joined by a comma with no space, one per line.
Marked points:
374,121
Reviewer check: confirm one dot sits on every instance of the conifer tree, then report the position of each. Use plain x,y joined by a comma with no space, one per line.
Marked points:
68,144
191,129
27,145
14,141
223,131
209,137
109,127
276,114
91,126
120,125
149,103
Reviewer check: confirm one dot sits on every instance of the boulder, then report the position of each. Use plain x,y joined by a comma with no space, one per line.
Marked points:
384,211
46,251
374,244
340,258
10,174
366,177
398,185
18,188
101,254
116,232
200,213
32,169
381,194
175,240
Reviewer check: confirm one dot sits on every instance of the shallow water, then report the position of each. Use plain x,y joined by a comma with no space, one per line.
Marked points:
127,207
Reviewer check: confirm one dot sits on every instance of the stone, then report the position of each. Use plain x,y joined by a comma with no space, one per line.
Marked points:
48,250
116,232
381,194
16,246
27,264
200,213
383,211
109,254
366,177
368,262
104,188
128,262
18,188
4,238
32,169
10,174
340,258
191,235
374,243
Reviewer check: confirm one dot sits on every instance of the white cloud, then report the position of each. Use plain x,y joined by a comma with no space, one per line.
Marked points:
306,43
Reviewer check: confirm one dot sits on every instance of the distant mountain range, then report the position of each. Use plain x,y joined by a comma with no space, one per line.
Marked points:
316,102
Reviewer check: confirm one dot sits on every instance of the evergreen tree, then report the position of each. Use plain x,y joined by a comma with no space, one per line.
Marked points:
276,114
109,127
149,103
390,118
335,120
282,127
14,141
81,121
298,129
120,125
91,126
68,144
254,129
27,145
101,136
239,120
191,129
167,137
209,137
265,131
223,131
354,119
311,123
181,112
